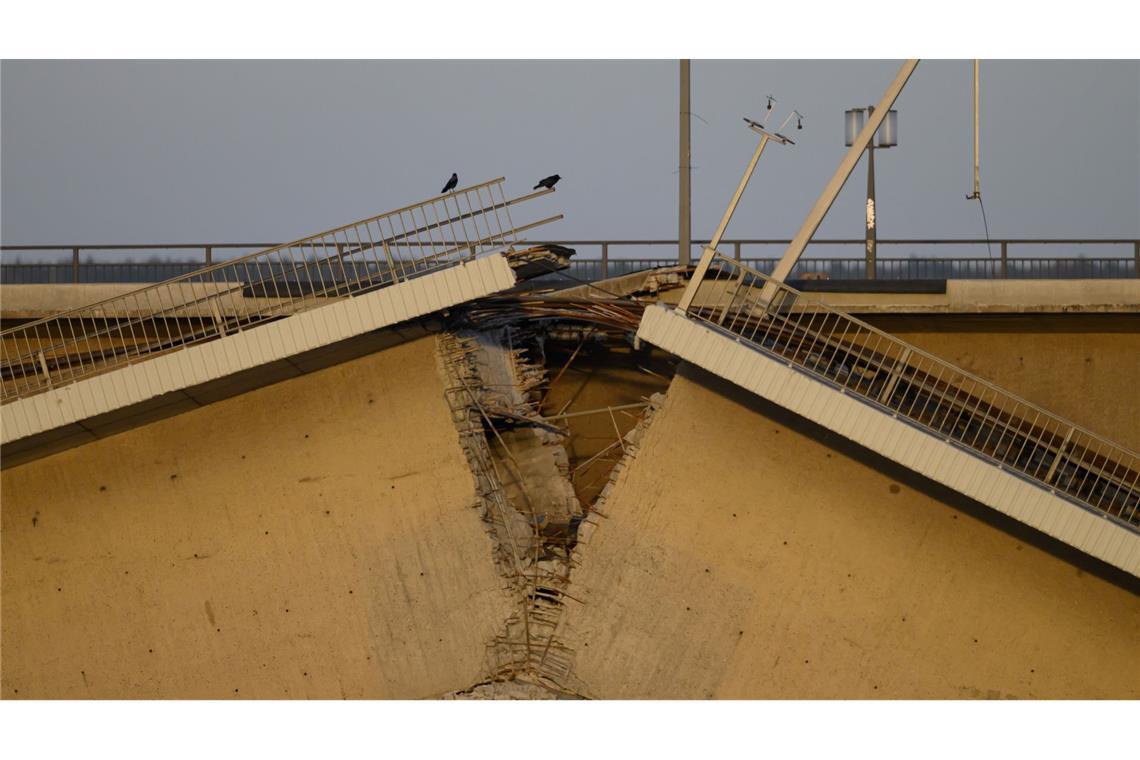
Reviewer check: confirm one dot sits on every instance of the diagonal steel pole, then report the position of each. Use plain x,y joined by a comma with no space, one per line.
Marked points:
831,191
710,249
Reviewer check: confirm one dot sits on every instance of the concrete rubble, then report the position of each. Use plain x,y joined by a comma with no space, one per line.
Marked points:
524,493
496,381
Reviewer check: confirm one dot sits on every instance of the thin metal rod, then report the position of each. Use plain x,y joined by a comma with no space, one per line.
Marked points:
977,130
684,211
561,372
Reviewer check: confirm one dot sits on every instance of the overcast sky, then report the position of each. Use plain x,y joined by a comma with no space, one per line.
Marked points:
213,151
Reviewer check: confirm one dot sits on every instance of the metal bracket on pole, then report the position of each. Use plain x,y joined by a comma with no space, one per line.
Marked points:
831,191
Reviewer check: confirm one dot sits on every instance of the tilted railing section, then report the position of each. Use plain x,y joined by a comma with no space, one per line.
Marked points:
239,293
910,383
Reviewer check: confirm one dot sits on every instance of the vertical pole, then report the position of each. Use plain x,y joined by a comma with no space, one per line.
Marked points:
1004,259
736,250
209,255
74,265
1136,254
684,210
871,210
605,260
977,131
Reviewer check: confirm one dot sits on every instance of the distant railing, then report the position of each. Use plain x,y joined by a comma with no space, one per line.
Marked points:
834,268
80,265
905,381
242,292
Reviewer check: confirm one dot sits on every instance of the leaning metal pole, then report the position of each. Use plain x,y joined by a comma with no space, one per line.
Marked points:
831,191
710,249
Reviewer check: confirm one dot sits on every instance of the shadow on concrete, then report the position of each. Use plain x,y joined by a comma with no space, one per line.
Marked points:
911,479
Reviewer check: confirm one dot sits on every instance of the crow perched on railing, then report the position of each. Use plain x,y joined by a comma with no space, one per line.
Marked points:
451,183
548,182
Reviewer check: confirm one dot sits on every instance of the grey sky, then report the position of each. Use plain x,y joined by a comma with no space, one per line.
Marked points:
99,152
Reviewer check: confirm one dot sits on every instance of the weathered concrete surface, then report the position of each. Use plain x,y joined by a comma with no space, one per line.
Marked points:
37,301
746,554
120,384
313,538
171,404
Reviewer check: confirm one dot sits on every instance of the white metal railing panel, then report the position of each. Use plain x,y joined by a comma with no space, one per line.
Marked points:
234,295
193,365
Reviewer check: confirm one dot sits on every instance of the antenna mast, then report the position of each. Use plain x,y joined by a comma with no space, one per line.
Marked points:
977,134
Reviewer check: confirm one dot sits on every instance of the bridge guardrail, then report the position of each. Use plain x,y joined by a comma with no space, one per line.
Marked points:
905,381
83,261
211,302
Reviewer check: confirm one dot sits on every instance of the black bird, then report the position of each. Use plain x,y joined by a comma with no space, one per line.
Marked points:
451,183
549,182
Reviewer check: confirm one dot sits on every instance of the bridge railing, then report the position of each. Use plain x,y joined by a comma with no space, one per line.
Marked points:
598,259
905,381
241,292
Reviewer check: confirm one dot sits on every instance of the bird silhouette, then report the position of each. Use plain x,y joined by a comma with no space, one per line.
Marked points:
549,182
451,183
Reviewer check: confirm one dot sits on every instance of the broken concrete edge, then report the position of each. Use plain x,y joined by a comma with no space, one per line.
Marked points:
527,649
632,445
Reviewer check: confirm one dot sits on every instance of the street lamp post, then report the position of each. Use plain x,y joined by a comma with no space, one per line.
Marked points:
710,249
888,138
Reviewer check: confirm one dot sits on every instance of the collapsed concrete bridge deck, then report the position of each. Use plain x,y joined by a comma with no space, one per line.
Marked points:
311,504
89,371
910,406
